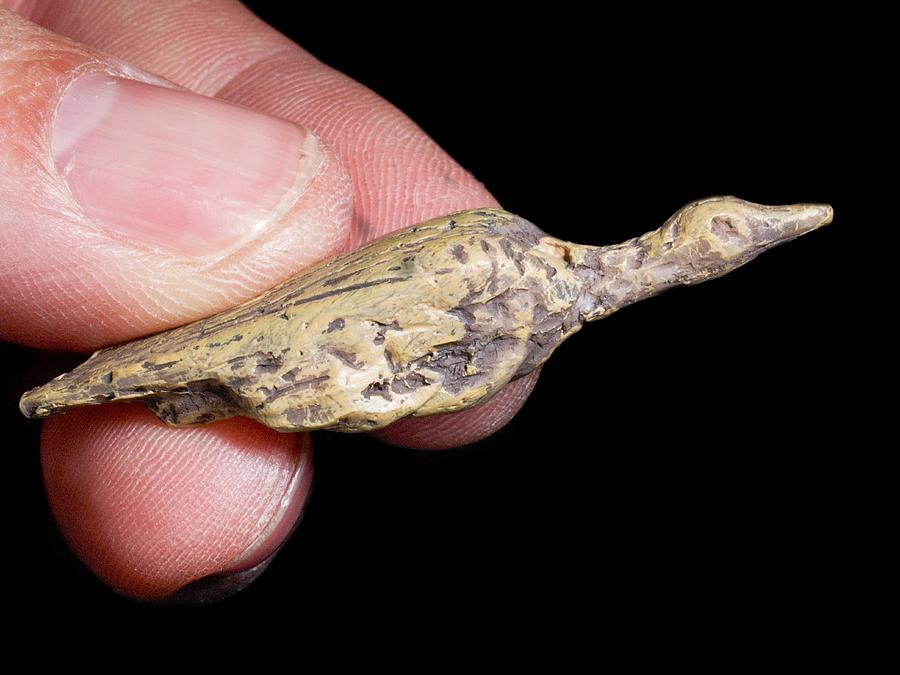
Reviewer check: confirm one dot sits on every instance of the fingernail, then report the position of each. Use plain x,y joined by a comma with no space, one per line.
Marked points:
214,588
249,565
176,170
284,519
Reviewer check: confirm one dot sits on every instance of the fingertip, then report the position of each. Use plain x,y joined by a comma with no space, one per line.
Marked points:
150,509
130,206
440,432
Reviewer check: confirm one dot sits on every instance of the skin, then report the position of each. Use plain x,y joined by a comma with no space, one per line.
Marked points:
108,469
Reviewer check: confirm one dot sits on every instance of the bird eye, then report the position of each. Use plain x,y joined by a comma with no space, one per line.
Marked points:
723,224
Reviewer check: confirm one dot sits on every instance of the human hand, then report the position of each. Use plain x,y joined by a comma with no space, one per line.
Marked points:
130,209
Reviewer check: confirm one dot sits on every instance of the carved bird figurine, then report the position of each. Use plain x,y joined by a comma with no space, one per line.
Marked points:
431,319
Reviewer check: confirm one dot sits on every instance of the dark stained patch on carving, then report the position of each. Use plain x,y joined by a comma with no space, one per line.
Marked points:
146,365
381,389
549,270
348,289
389,357
411,382
267,363
463,314
450,360
308,414
130,384
337,324
334,281
216,345
521,231
195,399
384,328
550,329
499,305
513,254
273,393
346,357
459,252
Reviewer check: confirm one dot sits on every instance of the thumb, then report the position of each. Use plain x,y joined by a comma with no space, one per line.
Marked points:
128,206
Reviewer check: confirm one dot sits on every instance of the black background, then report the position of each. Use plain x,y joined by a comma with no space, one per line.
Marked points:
670,470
